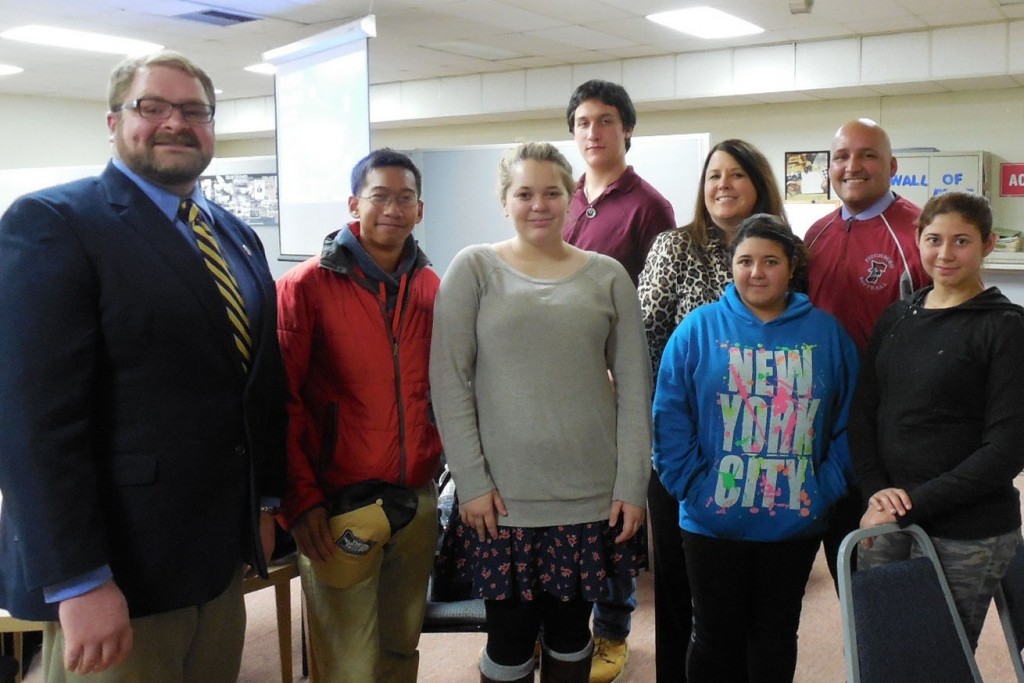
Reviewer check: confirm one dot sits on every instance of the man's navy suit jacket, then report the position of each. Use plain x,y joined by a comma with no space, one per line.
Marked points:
129,433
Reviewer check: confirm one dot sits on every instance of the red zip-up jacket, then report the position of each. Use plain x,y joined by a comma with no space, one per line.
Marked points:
358,381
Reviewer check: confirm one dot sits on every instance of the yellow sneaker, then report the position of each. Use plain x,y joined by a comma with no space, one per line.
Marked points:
610,657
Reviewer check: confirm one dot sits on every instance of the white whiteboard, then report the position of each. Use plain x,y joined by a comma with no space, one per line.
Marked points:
460,187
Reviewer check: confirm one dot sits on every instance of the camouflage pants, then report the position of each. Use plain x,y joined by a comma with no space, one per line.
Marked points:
973,569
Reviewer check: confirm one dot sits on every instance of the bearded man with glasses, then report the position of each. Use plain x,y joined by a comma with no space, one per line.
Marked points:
141,402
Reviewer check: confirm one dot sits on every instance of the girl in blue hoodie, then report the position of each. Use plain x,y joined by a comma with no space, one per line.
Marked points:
750,436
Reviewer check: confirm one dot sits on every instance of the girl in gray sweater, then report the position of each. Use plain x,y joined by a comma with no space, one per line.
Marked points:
541,384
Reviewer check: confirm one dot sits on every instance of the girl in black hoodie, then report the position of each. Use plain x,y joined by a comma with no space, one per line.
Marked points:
937,424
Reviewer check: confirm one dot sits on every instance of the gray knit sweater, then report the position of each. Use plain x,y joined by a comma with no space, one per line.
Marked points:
519,381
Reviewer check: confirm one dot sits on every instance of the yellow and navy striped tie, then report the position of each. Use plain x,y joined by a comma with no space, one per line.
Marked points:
226,283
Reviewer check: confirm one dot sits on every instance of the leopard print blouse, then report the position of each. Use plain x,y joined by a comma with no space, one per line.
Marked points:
678,277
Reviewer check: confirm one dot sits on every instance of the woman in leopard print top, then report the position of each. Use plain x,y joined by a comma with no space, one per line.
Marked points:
686,268
689,266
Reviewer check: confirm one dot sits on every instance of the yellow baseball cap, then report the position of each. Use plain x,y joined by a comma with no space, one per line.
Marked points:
359,537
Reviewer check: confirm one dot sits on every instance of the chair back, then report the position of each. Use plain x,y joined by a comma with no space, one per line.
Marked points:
450,609
899,619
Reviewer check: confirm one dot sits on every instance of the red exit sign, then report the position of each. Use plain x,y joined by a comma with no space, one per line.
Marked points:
1011,180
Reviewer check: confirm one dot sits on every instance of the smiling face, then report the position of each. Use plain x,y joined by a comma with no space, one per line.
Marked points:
600,136
952,251
729,193
762,272
862,165
172,153
537,201
386,221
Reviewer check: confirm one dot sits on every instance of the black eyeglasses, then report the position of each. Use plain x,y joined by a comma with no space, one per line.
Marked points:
155,109
382,201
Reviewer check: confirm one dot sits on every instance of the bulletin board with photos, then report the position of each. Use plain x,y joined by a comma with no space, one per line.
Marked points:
250,196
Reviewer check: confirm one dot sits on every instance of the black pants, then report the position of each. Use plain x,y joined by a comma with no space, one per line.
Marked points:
513,626
747,598
673,614
8,669
845,518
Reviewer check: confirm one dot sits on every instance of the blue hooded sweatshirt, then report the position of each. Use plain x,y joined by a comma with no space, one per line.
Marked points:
750,419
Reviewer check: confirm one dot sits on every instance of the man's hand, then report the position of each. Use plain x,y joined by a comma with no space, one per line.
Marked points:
312,534
482,512
632,519
97,633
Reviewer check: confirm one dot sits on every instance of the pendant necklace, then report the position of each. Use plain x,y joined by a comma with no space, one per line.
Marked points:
591,211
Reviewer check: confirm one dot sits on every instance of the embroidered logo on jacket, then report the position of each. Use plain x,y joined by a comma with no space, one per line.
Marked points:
877,266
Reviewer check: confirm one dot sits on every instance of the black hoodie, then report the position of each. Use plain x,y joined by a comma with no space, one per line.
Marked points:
939,412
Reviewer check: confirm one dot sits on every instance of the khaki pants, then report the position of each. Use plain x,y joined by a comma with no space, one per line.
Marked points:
190,645
370,631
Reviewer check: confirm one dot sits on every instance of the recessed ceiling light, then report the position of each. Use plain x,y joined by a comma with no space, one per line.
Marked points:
7,70
468,48
264,68
705,22
79,40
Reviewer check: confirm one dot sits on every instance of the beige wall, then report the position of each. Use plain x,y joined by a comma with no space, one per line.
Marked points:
986,120
42,132
246,147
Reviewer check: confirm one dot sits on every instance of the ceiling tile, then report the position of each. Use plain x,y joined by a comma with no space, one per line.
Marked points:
549,33
581,37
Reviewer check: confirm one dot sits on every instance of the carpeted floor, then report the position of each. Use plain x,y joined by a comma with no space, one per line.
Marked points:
451,658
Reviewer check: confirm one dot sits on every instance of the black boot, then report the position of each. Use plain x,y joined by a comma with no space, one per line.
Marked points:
485,661
557,671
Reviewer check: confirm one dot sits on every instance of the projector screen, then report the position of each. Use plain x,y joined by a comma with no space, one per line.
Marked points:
323,129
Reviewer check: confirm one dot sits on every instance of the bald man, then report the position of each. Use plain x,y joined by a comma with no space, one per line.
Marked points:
863,257
864,254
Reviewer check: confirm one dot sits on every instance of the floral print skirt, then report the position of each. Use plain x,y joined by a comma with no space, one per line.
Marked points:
563,561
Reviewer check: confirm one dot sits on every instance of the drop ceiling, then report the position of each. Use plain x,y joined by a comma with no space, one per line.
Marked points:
415,38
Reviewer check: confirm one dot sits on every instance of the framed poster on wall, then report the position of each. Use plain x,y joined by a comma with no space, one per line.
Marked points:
807,177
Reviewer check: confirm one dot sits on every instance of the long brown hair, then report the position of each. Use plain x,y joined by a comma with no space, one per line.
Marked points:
756,166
